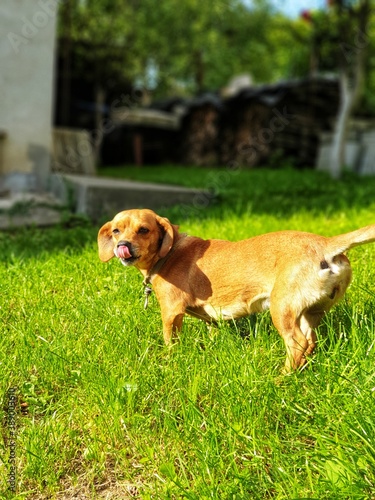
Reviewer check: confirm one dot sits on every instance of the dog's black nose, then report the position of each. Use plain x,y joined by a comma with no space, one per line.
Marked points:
124,243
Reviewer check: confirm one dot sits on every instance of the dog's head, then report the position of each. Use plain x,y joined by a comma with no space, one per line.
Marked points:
136,237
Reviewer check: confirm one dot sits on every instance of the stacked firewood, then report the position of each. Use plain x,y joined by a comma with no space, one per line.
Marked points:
260,125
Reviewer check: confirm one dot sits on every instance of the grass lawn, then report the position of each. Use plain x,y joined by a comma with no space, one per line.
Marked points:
101,409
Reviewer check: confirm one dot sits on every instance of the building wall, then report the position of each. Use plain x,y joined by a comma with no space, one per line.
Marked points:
27,46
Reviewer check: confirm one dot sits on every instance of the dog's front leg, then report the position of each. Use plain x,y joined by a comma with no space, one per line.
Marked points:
172,324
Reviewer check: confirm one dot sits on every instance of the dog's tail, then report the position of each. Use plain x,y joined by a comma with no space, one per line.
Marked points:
339,244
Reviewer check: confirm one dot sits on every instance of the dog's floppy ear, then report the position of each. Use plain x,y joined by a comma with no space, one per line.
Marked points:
169,235
105,242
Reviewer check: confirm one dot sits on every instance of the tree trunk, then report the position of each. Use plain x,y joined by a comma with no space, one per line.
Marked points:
199,70
100,96
341,127
66,52
351,83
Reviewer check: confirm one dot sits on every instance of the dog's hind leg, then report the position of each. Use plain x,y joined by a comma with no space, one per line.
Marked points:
308,322
286,319
296,344
298,332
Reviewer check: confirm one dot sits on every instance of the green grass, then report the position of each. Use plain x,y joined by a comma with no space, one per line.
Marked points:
106,411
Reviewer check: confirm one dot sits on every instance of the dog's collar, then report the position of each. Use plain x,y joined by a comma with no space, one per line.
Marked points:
157,268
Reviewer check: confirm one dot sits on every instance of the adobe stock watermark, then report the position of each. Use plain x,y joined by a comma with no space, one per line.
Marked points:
10,407
73,156
217,181
360,42
250,150
30,26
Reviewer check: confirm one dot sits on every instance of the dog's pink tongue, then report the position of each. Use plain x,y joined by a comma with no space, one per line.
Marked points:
123,252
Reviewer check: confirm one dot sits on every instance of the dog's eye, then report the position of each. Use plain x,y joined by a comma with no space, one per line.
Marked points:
143,230
115,231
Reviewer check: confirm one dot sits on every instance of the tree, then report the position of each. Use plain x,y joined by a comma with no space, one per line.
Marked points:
195,46
187,46
339,42
93,38
175,47
353,20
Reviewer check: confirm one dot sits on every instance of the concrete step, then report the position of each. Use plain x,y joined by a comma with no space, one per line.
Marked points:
98,197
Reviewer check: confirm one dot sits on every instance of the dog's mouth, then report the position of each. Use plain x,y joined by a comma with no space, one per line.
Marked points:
124,253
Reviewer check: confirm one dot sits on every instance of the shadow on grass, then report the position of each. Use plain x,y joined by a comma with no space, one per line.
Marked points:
31,242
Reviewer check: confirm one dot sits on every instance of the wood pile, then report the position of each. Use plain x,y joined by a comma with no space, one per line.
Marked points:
270,123
200,131
243,135
258,125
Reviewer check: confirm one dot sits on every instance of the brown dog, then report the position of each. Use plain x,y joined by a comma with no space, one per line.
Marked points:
298,276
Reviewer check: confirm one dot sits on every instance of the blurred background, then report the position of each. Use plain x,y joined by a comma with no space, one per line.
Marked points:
90,84
213,71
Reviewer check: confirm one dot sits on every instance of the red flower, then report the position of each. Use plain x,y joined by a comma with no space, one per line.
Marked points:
306,15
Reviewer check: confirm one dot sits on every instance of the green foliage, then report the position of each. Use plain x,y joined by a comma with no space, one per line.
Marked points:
182,47
191,46
101,34
104,409
340,39
212,41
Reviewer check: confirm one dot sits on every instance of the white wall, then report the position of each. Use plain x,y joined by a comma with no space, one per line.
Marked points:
27,47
